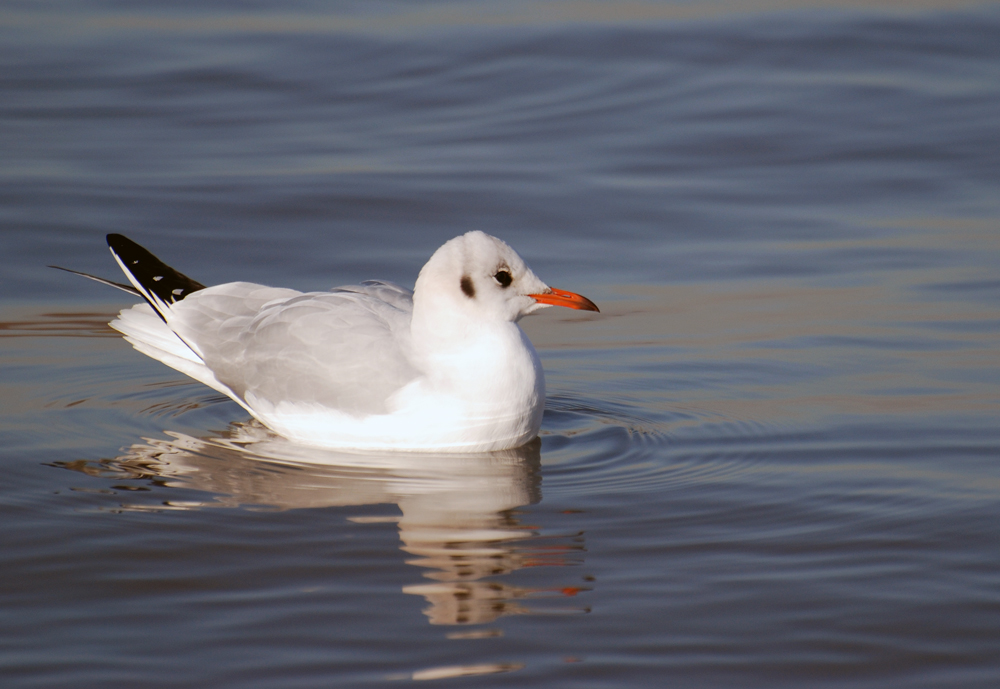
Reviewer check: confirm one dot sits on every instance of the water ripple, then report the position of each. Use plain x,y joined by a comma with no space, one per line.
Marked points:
590,448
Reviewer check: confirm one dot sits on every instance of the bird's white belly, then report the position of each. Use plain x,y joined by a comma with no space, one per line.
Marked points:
420,421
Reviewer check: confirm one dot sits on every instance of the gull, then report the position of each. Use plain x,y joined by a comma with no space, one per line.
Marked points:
444,367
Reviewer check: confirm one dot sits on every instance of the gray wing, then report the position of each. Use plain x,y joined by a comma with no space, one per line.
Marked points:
345,349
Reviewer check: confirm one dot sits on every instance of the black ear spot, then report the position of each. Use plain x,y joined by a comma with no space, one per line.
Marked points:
467,287
503,277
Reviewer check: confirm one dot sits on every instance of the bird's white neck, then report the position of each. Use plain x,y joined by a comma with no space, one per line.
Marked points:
490,365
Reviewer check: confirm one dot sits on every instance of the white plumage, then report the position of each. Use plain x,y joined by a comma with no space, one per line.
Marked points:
372,366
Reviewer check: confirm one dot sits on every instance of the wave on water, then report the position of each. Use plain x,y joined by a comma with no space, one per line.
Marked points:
600,447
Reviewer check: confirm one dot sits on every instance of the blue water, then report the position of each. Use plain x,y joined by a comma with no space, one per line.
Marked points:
773,460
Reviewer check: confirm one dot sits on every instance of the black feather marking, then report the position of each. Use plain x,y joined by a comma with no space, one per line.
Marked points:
159,284
467,286
125,288
155,276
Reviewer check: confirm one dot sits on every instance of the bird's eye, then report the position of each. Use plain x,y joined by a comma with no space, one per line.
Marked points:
503,277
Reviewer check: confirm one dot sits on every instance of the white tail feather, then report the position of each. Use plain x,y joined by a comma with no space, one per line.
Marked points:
149,334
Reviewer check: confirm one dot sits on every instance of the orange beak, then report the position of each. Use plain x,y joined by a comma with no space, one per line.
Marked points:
558,297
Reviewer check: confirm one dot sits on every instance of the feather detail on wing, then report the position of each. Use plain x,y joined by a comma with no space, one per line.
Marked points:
158,283
343,349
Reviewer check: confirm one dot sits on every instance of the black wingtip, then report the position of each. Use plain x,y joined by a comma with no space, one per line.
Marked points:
155,276
119,243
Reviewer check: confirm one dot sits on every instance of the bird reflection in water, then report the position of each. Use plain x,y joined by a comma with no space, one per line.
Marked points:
458,513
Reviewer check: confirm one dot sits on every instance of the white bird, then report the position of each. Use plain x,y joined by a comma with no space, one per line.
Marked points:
366,367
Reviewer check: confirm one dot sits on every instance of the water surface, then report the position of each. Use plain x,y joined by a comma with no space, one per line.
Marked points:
771,461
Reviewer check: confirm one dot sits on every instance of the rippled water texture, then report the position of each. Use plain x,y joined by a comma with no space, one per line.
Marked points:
771,461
